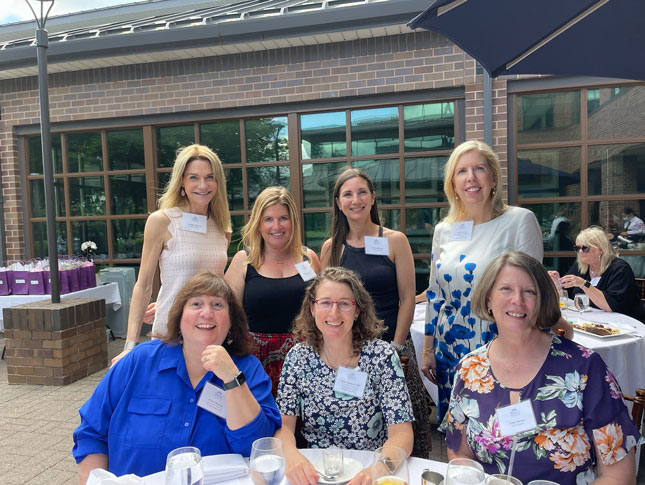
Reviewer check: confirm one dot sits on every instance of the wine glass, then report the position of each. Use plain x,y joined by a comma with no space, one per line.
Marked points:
462,471
390,466
267,461
184,466
501,479
581,302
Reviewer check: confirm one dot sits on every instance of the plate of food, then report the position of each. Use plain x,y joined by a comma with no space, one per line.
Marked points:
596,329
350,468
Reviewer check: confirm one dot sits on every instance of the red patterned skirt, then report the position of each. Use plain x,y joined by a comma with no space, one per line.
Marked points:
272,349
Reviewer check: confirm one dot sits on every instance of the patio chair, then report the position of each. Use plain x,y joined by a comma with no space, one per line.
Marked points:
638,407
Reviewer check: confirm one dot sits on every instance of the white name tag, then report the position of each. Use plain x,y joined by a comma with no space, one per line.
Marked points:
377,246
595,281
20,281
350,381
34,282
194,222
462,231
306,271
516,418
213,399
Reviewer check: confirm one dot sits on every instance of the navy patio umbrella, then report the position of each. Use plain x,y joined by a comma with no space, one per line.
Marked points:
563,37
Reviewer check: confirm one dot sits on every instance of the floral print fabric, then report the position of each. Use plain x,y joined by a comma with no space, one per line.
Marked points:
576,401
330,418
455,268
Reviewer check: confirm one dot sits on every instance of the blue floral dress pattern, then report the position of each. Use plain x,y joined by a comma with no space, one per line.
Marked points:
576,400
455,267
330,418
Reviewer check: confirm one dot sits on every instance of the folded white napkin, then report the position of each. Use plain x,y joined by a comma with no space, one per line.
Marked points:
219,468
99,476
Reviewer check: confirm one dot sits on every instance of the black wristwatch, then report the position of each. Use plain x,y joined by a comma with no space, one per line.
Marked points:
239,379
586,284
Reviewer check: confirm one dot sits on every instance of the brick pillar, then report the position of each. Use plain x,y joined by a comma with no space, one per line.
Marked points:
55,344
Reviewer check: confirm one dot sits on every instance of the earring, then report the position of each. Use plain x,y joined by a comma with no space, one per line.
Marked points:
229,338
182,192
494,191
456,197
490,312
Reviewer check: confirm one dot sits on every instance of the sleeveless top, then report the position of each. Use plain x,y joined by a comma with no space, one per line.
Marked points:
378,274
271,304
186,253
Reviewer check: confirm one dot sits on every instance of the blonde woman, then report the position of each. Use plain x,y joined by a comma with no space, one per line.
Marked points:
271,274
189,233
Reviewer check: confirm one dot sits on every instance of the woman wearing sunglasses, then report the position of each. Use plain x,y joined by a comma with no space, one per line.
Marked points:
599,273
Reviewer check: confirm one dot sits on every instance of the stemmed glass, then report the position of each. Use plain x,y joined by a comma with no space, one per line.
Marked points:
184,467
390,466
501,479
267,461
581,302
462,471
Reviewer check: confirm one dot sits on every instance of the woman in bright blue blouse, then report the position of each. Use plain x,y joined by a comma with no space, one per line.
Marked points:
147,404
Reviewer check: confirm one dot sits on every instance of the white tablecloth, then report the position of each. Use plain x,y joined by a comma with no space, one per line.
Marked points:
108,292
416,466
622,354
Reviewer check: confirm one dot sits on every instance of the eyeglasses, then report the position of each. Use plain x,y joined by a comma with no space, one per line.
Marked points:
343,305
584,249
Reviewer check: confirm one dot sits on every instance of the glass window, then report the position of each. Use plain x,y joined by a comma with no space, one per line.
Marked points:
390,218
87,196
419,227
318,182
616,112
35,150
429,127
162,181
170,139
37,196
223,138
323,135
616,169
610,215
234,188
90,231
421,274
39,236
386,177
375,131
558,263
560,223
317,226
548,172
128,194
267,139
125,150
259,178
127,238
548,117
84,152
424,179
237,222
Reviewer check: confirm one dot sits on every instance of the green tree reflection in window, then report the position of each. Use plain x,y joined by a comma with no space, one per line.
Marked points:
128,194
35,150
87,196
224,139
125,149
84,152
267,139
170,139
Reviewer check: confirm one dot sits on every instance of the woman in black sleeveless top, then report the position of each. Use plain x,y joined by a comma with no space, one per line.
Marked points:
265,278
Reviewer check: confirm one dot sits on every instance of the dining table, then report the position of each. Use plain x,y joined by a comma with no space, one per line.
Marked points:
623,353
416,466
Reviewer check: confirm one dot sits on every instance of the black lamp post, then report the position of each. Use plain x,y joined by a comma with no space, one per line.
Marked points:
46,140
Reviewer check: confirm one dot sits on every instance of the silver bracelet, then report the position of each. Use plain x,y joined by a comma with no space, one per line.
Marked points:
396,346
129,345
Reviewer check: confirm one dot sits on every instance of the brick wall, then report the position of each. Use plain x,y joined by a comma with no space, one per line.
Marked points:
366,67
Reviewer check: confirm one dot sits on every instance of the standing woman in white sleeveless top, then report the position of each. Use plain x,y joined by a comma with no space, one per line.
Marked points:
189,233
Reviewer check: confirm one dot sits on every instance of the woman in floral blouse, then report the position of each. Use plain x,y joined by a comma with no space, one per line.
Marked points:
582,432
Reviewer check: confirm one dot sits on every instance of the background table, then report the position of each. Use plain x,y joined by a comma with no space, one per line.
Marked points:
109,293
622,354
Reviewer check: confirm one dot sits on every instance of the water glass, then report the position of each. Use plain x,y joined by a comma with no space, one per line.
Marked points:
184,466
581,302
563,300
267,461
542,482
462,471
501,479
333,461
390,466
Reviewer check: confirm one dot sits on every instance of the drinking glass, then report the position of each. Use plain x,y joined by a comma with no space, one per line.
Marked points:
501,479
333,461
184,466
581,302
542,482
267,461
462,471
390,466
563,300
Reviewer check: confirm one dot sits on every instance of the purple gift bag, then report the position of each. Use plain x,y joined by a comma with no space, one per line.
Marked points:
47,284
82,279
74,279
63,276
19,282
90,274
36,283
5,288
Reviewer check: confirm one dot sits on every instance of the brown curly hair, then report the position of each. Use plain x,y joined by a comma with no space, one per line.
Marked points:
206,283
367,326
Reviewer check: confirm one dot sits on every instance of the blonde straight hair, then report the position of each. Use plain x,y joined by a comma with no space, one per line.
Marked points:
597,237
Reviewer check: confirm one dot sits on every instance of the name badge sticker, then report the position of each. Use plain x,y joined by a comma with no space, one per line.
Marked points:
462,231
194,222
516,418
213,400
377,246
306,271
594,281
350,381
